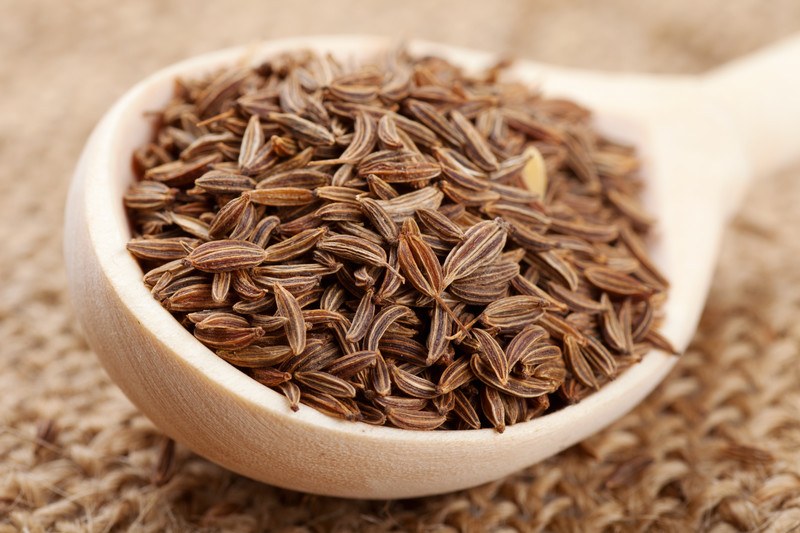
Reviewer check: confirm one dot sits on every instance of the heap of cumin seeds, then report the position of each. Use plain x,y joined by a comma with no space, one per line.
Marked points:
397,243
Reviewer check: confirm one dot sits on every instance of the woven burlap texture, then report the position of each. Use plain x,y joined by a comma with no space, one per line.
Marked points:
715,448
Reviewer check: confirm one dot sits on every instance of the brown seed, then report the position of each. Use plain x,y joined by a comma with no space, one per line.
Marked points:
371,415
303,129
559,267
526,217
416,131
193,297
252,141
387,133
225,255
161,249
629,208
294,246
385,318
338,407
269,323
530,239
379,376
281,196
637,249
353,92
351,364
297,286
465,410
577,364
542,358
482,244
575,300
493,355
418,261
402,171
223,86
493,408
512,312
220,182
560,328
475,294
148,196
405,205
467,197
295,225
521,388
226,331
191,225
380,189
612,328
342,194
339,212
513,408
258,305
205,143
364,139
220,286
462,179
414,386
326,383
301,178
443,227
439,334
599,357
362,318
659,341
313,357
180,173
228,216
523,286
498,273
354,249
403,348
475,144
380,218
361,232
292,393
270,377
433,119
625,321
246,224
550,374
521,348
295,327
263,231
456,375
314,317
392,280
584,230
416,420
444,403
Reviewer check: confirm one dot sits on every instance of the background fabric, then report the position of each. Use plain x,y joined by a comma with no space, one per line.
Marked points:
716,448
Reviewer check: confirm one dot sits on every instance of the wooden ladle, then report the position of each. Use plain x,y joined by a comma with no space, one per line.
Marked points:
700,137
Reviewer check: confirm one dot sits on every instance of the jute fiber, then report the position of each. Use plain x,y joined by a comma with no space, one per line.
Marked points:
715,448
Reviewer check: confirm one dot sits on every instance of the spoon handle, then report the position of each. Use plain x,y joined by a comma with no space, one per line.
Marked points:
762,93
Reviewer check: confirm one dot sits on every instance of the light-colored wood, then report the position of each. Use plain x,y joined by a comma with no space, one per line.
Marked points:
762,93
695,162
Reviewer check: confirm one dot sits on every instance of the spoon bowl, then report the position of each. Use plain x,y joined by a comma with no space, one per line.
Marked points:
695,165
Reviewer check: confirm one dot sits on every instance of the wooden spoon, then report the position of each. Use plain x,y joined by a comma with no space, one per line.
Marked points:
700,138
